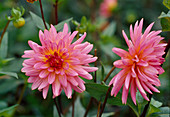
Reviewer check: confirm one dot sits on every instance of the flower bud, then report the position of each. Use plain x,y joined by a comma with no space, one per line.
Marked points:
19,22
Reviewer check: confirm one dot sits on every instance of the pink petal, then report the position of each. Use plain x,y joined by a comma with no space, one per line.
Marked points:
120,52
43,73
56,87
63,80
45,91
51,77
133,91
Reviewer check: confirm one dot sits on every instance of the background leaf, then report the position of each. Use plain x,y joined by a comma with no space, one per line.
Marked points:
4,46
167,3
8,112
60,26
165,21
38,21
98,91
9,74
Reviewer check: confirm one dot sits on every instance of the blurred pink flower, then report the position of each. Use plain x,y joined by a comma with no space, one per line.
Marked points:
107,7
58,62
141,65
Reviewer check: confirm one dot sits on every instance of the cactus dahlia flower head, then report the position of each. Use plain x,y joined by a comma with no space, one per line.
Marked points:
107,7
58,62
140,65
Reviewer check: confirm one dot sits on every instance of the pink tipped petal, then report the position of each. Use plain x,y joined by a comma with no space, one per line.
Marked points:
80,39
125,95
56,87
63,80
43,73
45,91
90,69
126,38
51,78
120,52
133,91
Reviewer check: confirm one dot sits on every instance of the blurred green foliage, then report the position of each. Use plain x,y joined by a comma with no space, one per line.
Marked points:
104,33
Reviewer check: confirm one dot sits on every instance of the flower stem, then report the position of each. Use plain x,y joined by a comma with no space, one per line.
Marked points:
150,95
4,31
74,98
56,11
109,74
58,110
42,14
98,110
60,104
105,100
88,107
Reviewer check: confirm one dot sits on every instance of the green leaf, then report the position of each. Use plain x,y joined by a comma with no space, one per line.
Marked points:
3,105
110,114
164,112
156,103
98,91
110,30
38,21
167,3
8,112
153,107
165,21
4,46
60,26
9,84
9,74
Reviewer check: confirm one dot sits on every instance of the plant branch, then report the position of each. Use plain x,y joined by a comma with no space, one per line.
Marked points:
105,100
74,98
2,35
60,103
88,107
98,110
42,14
58,110
150,95
109,74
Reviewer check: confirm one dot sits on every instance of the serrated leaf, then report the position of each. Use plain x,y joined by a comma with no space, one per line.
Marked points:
38,21
98,91
165,21
60,26
4,46
8,112
167,3
9,74
110,30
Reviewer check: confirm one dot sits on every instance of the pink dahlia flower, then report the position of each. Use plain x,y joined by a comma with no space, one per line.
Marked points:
58,62
107,7
141,65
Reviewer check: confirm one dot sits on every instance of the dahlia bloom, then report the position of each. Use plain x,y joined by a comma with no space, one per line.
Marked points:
141,65
107,7
58,62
